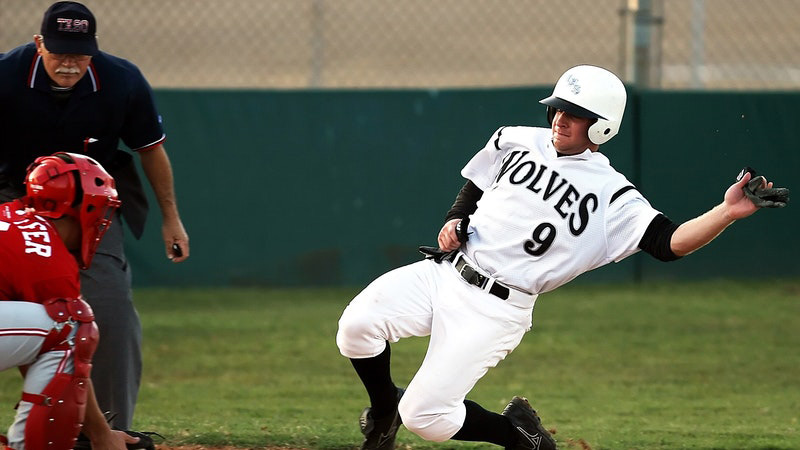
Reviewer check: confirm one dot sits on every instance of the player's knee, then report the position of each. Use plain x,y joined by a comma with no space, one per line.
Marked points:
436,427
356,337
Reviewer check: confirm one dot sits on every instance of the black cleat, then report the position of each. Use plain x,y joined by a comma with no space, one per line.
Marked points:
380,434
531,435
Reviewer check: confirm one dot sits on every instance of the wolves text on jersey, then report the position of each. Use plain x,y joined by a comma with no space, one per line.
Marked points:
549,184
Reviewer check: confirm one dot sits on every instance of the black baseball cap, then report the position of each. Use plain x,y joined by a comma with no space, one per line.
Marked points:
69,27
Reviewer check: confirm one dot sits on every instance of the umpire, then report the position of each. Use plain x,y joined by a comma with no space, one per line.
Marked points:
60,93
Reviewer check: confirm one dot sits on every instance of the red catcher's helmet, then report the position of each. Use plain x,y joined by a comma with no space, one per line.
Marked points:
70,184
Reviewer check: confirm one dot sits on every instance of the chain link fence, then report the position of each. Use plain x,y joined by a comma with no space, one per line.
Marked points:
676,44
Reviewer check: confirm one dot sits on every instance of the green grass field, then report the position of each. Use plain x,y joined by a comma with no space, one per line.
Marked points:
703,365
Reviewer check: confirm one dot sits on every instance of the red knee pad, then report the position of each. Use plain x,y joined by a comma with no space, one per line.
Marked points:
63,309
57,414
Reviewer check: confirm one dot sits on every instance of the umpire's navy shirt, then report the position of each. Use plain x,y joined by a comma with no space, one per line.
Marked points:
112,101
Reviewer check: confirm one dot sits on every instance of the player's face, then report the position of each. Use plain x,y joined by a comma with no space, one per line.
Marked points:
64,69
571,133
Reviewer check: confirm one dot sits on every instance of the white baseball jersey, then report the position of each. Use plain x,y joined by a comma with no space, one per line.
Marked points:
544,219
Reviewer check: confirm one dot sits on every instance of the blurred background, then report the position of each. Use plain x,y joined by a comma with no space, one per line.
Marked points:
675,44
318,142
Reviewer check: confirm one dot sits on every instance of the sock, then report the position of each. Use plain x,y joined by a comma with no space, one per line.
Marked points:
486,426
376,376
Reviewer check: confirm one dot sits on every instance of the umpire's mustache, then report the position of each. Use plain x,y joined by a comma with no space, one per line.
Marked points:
68,70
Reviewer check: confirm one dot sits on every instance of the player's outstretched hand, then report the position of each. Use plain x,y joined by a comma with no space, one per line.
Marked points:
737,205
751,193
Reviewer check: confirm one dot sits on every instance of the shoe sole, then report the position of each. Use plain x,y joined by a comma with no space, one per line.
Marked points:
525,406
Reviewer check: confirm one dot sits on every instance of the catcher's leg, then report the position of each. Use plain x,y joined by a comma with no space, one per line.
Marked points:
51,411
23,327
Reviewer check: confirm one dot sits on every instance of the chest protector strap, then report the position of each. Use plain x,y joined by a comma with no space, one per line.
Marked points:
57,414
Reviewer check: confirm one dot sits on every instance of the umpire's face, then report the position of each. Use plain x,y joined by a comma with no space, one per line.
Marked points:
64,69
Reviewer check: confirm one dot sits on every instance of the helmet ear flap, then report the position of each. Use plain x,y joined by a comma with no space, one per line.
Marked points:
602,130
51,187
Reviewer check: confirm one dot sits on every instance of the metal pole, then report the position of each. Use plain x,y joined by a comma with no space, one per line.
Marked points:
656,25
641,69
627,30
640,42
697,63
317,44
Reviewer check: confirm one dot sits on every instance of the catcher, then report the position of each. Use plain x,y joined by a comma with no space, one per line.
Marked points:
46,329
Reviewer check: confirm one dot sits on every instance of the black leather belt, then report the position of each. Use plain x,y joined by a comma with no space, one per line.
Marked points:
471,276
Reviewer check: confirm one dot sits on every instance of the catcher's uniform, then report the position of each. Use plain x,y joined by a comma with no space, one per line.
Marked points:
542,220
34,263
34,266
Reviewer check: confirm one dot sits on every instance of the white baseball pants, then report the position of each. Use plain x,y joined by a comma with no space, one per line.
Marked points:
470,331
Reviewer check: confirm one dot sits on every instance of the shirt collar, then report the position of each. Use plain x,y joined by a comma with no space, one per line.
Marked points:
586,154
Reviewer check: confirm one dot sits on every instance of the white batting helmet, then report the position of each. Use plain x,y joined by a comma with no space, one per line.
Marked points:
591,92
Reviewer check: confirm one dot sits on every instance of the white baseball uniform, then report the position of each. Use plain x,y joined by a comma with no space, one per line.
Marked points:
542,220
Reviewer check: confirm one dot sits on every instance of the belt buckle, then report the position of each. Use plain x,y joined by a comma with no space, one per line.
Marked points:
472,276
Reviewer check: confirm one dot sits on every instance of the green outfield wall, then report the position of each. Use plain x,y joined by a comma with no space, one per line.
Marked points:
291,188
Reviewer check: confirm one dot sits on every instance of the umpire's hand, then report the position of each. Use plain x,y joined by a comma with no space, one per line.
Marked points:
176,241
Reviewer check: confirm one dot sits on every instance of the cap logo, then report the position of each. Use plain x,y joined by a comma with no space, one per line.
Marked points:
73,25
573,84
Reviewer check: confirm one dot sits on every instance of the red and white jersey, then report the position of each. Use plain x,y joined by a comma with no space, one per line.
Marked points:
34,263
544,219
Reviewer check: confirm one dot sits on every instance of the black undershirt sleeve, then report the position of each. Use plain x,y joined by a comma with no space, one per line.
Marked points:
657,238
466,202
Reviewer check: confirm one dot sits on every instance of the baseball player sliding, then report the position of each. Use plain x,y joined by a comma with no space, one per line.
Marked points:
540,207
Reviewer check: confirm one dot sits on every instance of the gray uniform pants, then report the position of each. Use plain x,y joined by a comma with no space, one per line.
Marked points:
117,363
